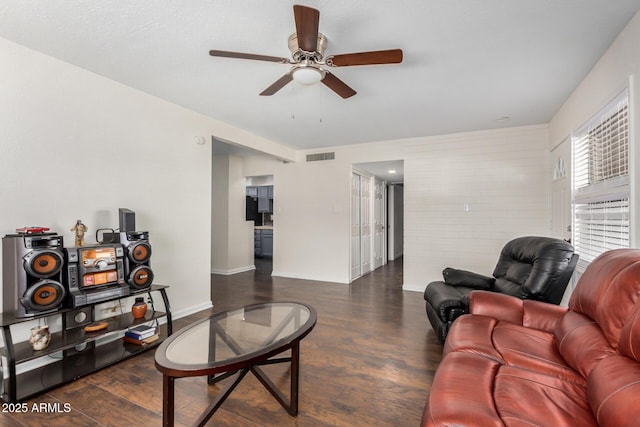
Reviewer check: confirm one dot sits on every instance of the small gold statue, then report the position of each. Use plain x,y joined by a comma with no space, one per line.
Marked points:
80,229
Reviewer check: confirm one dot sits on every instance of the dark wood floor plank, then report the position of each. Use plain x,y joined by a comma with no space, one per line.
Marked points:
369,362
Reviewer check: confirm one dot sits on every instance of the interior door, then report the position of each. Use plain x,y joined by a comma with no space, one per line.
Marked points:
379,221
365,224
356,255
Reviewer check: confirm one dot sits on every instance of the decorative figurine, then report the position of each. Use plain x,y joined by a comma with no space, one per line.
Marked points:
80,229
40,337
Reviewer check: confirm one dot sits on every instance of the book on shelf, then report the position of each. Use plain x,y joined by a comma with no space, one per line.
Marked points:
140,332
145,341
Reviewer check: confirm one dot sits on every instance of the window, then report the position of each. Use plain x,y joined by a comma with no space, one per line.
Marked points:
601,182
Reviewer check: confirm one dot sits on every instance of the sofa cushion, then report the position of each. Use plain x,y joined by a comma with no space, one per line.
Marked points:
473,334
472,390
451,404
533,350
526,398
510,344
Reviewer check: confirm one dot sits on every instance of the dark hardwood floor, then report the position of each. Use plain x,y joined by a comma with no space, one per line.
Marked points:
369,362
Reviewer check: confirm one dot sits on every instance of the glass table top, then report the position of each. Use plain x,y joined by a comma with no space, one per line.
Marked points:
229,337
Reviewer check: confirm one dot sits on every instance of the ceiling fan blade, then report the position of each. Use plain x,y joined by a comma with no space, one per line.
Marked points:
239,55
337,85
393,56
307,22
277,85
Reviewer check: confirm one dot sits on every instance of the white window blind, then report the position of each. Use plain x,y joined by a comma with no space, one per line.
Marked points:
601,182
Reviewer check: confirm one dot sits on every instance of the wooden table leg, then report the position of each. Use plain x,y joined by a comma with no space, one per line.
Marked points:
295,378
168,400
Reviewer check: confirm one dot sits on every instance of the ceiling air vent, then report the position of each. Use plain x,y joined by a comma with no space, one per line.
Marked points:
320,156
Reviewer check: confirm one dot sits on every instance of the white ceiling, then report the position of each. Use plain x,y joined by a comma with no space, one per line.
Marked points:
391,171
466,63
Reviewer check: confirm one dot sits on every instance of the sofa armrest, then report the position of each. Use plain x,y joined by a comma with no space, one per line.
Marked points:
528,313
444,298
541,315
468,279
496,305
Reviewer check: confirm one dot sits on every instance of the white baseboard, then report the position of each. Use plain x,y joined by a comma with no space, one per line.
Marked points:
233,271
190,310
413,288
303,277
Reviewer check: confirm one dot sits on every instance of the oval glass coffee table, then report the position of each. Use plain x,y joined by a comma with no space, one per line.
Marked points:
235,343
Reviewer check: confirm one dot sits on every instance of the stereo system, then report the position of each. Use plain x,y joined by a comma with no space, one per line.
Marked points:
41,276
95,273
137,253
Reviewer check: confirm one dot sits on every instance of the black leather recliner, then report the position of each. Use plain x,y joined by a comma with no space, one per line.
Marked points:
529,267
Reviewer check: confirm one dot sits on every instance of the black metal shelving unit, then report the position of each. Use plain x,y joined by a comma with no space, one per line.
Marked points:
76,353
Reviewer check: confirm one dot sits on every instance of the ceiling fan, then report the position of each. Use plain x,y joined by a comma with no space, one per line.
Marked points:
307,47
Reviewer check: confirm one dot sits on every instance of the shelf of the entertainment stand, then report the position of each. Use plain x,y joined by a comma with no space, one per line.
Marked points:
71,338
71,367
72,352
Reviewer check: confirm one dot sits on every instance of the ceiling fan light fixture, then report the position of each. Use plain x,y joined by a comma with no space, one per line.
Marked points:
307,75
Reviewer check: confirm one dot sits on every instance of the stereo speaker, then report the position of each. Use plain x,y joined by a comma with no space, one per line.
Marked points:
137,257
127,219
32,274
79,317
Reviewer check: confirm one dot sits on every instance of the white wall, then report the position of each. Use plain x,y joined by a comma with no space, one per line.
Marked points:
618,68
220,214
232,235
75,145
501,175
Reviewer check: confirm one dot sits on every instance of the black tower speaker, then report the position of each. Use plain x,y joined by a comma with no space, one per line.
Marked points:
32,268
137,255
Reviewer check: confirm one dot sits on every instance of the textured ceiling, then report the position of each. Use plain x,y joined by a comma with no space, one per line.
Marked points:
466,63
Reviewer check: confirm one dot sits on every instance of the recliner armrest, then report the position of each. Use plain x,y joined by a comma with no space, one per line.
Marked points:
468,279
528,313
444,298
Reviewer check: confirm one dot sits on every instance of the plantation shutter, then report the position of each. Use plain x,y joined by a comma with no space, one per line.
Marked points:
601,182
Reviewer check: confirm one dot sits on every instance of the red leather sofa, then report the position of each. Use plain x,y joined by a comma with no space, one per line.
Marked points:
513,362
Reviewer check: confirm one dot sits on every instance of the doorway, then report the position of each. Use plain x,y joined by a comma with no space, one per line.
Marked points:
376,215
259,201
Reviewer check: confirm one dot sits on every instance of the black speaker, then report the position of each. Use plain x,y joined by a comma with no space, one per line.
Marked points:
137,256
79,317
127,219
32,268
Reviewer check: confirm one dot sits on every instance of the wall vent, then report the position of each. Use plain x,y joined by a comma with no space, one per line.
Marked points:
320,156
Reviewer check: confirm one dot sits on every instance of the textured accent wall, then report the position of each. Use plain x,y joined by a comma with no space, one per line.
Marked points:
466,195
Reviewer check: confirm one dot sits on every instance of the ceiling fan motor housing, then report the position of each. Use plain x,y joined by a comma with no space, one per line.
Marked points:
301,55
